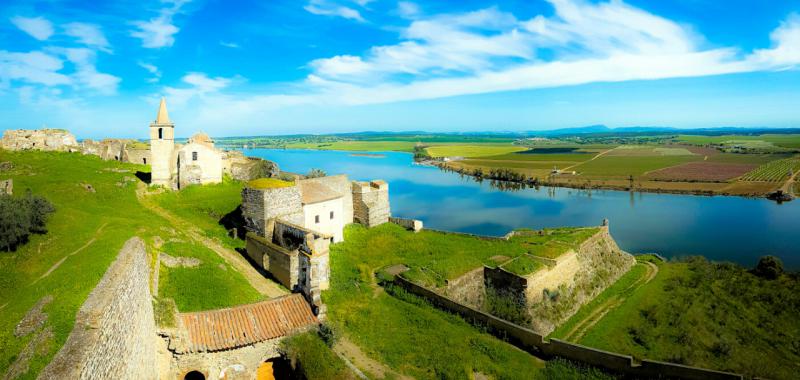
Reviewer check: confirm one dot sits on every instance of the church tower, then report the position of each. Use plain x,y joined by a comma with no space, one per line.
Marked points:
162,145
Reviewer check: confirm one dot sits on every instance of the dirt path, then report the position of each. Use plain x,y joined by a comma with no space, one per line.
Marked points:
350,352
73,253
589,160
788,187
256,279
580,329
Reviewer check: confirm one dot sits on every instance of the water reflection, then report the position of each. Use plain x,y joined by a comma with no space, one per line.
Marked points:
721,228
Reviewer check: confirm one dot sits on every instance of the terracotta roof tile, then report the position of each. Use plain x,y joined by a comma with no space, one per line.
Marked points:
225,329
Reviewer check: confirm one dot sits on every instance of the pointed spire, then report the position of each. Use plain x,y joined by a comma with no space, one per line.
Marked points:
162,117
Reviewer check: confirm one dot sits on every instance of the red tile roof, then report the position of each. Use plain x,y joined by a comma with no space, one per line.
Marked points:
226,329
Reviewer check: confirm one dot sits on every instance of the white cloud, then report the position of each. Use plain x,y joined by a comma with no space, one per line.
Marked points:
231,45
199,85
86,73
785,52
35,67
88,34
330,8
37,27
408,9
152,69
159,32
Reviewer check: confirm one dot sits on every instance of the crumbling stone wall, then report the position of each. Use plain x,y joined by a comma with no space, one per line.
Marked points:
7,186
114,333
261,205
248,168
468,289
39,139
136,156
371,202
282,263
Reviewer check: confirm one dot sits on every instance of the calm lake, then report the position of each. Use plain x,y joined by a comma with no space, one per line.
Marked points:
720,228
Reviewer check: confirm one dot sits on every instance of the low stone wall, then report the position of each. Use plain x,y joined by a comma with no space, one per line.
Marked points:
409,224
280,262
530,341
482,237
114,335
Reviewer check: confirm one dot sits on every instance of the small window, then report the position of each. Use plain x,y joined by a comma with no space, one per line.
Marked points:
144,161
331,214
194,156
160,133
316,219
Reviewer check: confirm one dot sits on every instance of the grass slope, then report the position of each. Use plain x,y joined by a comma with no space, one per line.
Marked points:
710,315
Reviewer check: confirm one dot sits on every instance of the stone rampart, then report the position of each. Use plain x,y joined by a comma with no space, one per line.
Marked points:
261,205
340,184
530,341
468,288
371,202
409,224
39,139
114,335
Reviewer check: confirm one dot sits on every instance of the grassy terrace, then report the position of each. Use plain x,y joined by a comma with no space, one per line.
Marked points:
553,242
523,265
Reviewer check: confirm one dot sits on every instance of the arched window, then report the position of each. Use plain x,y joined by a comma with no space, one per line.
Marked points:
160,133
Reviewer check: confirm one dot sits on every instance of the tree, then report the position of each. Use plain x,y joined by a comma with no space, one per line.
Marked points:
19,217
316,173
769,267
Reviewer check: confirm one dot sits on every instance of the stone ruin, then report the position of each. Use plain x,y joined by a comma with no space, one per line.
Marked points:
371,202
39,139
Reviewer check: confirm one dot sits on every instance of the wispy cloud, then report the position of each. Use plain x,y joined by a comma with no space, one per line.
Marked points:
195,85
34,67
37,27
152,69
159,31
332,8
407,9
88,34
785,52
231,45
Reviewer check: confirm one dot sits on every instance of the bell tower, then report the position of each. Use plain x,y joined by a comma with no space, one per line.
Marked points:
162,145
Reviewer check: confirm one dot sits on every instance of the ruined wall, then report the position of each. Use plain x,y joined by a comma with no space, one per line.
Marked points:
468,289
7,186
260,205
371,203
409,224
248,168
136,156
282,263
39,139
114,333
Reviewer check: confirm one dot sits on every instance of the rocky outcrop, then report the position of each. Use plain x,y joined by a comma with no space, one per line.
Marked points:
39,139
244,168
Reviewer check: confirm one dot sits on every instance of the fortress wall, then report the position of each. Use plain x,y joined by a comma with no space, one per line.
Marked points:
552,277
260,205
531,341
280,262
371,202
137,156
468,289
114,335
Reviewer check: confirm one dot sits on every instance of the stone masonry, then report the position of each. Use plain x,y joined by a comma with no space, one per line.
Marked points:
371,202
114,333
39,139
261,205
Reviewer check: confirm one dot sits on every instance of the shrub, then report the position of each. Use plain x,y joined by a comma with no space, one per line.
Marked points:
20,217
316,173
769,267
313,359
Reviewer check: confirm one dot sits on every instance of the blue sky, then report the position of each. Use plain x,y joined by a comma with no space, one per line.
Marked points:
324,66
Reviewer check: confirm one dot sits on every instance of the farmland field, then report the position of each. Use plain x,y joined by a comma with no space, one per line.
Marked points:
701,171
774,171
471,150
782,141
623,166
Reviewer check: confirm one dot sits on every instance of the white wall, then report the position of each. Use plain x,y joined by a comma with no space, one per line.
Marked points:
209,160
326,225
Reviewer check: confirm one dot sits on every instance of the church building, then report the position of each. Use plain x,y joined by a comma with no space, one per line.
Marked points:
176,166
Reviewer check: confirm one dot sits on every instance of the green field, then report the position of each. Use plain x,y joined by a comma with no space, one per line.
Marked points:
483,150
624,166
711,315
87,230
214,284
783,141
